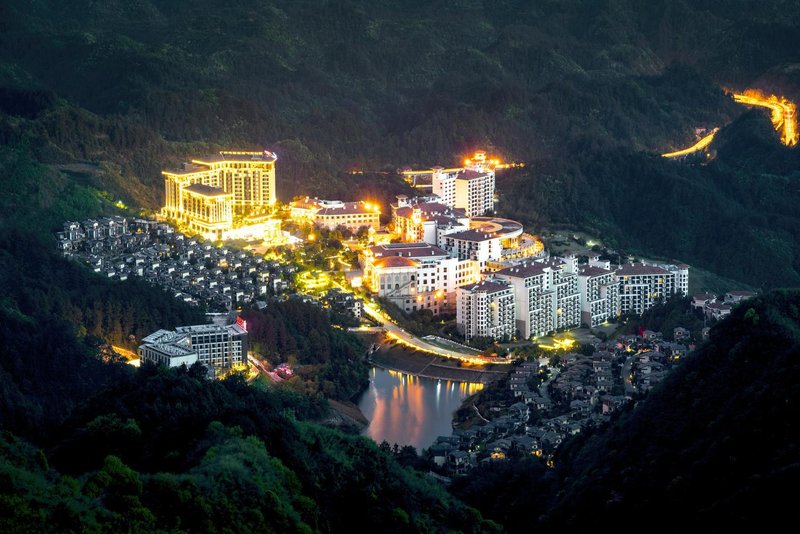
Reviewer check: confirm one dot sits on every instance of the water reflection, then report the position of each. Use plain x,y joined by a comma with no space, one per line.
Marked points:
409,410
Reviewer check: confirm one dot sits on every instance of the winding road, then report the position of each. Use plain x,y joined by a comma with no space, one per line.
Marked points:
783,114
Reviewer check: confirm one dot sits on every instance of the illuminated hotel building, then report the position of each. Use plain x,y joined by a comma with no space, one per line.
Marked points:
207,209
333,213
245,181
423,219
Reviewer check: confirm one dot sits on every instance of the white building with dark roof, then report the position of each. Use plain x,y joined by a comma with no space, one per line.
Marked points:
416,276
214,345
534,299
568,298
599,290
474,191
331,214
490,239
643,285
486,309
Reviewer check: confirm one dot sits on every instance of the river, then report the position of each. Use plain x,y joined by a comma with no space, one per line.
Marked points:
409,410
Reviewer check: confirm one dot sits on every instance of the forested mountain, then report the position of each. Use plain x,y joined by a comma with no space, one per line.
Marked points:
97,97
583,91
90,444
714,446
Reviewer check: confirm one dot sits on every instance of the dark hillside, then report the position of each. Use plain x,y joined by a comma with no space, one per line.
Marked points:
713,446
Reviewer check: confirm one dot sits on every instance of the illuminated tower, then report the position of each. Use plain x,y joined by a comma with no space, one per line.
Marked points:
248,176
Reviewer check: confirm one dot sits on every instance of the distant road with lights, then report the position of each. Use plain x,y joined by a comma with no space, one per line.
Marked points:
783,114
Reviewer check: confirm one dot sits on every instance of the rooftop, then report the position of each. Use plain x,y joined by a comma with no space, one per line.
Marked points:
470,174
486,286
592,271
206,190
476,236
237,155
523,270
409,250
346,208
394,261
633,269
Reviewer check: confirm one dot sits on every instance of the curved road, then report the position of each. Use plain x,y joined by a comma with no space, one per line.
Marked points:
783,114
406,338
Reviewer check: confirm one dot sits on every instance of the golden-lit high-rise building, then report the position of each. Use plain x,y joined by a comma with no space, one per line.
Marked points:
207,209
233,182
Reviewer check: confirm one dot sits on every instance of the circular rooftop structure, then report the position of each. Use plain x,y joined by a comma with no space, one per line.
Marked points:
499,227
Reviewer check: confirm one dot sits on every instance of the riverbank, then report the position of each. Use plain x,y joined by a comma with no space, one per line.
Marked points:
347,416
408,361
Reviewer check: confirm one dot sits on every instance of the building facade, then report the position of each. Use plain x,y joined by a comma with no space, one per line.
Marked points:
599,289
535,301
426,219
331,214
416,276
642,285
207,210
568,298
213,345
486,309
443,185
474,191
237,182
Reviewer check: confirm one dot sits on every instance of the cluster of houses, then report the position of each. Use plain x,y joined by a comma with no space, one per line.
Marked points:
196,272
343,302
716,307
582,391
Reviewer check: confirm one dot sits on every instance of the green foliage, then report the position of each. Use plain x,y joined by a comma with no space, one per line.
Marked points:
332,360
52,308
166,449
665,317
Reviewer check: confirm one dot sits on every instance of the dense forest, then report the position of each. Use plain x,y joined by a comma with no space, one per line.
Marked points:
585,92
327,359
169,450
89,444
712,446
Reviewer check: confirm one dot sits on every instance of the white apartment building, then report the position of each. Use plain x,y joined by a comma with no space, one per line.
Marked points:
486,309
214,345
599,289
568,298
443,185
416,276
474,191
642,286
535,301
546,296
681,272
